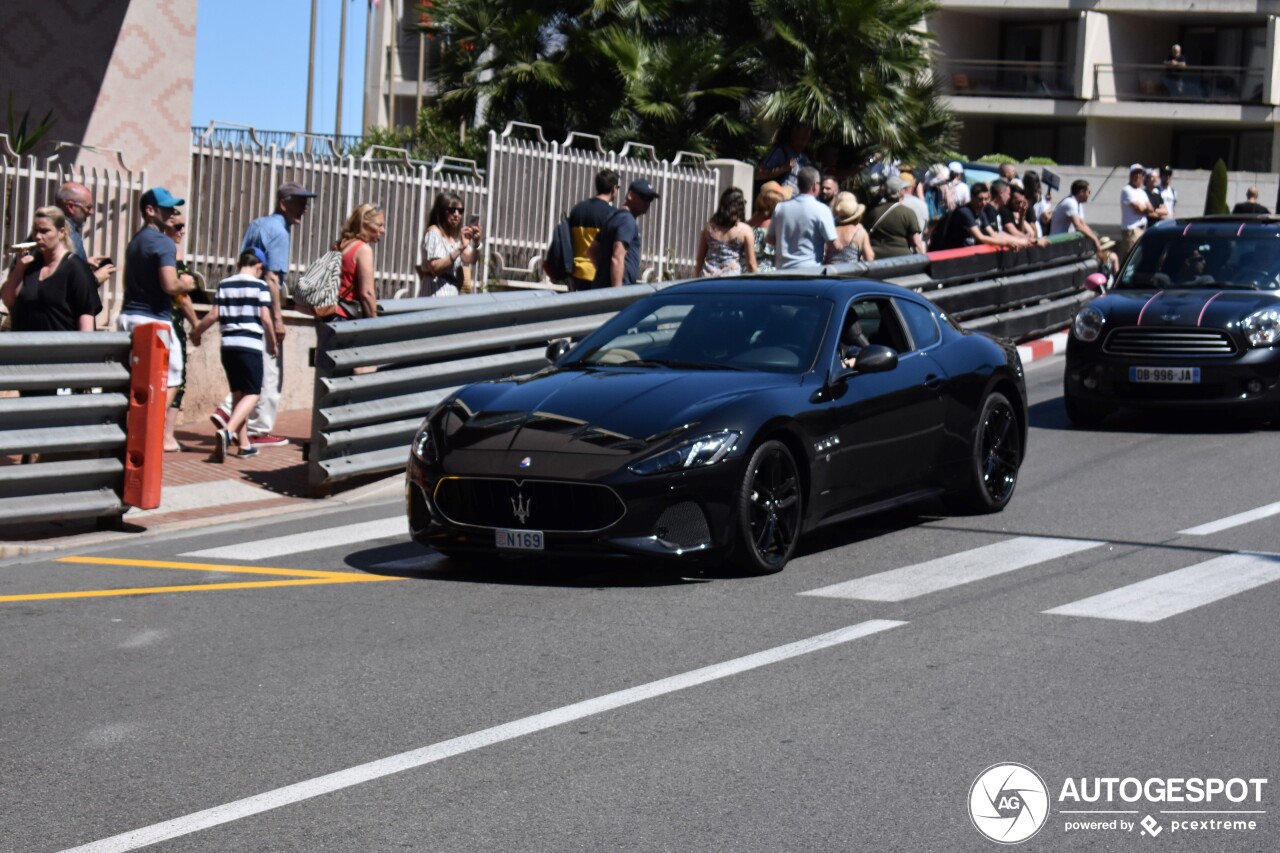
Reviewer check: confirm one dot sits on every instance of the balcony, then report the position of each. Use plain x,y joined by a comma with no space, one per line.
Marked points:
1220,84
1007,79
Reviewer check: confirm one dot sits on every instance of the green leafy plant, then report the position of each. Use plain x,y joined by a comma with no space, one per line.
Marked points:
1040,161
997,158
1215,198
22,139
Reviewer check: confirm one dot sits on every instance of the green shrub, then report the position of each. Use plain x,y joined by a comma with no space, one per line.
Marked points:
1040,161
1215,199
997,159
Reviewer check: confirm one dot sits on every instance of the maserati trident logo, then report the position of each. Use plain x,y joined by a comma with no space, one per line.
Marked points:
520,507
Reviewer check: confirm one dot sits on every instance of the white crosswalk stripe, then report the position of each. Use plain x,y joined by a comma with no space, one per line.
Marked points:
331,537
1179,591
955,569
1234,520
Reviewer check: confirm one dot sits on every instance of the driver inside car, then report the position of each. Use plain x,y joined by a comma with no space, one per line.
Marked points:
852,341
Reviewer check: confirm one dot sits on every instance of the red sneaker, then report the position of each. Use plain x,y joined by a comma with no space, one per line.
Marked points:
220,417
267,440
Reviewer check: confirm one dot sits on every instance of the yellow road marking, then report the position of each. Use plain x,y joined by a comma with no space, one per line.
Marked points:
195,587
214,567
298,577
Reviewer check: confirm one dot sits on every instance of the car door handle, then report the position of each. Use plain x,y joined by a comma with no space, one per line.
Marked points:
933,382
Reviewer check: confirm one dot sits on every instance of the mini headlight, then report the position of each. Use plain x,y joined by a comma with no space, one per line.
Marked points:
1088,324
697,453
1262,328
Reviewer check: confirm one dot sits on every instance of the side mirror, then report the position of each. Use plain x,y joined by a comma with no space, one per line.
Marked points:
557,348
1097,282
872,359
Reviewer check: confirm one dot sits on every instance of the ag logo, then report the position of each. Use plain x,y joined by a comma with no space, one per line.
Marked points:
1008,803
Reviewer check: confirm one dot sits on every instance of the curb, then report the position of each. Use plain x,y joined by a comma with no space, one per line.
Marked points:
1043,348
367,492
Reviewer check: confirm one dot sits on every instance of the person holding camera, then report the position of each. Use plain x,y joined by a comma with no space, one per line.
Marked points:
447,246
75,200
49,288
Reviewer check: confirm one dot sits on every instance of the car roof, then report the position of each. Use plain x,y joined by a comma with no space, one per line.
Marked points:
797,282
1219,224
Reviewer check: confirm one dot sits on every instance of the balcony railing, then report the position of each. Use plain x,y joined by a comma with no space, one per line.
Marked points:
1008,79
1219,84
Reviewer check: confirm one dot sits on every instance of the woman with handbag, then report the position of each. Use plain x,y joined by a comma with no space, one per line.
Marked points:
357,295
447,246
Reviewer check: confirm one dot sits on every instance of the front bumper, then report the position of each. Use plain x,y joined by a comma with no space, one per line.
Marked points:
1249,382
687,516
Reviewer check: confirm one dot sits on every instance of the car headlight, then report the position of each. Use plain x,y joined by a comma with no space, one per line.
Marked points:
696,453
1088,324
424,446
1262,328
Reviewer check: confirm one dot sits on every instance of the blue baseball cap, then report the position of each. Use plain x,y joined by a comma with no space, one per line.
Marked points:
161,197
642,187
261,255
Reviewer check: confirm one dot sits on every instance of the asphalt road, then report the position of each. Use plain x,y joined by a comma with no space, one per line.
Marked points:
319,683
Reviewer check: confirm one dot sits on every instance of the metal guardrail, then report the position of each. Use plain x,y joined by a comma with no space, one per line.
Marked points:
376,379
53,424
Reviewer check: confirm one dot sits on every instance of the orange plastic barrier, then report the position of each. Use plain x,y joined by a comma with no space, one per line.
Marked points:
148,398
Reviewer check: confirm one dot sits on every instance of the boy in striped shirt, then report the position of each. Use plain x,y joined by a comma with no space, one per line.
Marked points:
242,309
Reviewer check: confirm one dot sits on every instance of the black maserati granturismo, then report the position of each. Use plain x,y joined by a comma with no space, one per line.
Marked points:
720,420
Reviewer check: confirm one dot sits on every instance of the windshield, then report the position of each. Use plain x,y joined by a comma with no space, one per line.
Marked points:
711,331
1206,255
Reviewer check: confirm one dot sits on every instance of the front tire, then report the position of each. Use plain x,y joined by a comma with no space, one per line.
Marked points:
994,459
768,511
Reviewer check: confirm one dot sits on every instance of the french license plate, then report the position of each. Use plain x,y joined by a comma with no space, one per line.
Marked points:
519,540
1165,375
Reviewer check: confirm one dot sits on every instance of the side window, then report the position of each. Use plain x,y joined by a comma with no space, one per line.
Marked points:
880,323
920,322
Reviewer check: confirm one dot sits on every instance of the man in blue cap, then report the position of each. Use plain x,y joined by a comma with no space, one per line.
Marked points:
151,276
270,235
616,250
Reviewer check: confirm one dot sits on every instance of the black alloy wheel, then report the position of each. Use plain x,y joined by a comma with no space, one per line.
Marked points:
996,457
769,511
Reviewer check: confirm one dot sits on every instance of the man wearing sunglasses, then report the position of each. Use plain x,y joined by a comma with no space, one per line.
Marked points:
76,202
270,235
151,275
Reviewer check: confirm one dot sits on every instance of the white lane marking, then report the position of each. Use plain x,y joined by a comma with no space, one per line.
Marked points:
196,495
314,540
955,569
446,749
1233,520
1178,591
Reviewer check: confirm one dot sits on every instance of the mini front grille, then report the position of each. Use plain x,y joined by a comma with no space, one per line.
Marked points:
1169,341
545,505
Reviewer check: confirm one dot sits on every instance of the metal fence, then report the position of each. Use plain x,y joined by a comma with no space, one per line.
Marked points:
29,183
534,182
74,442
234,183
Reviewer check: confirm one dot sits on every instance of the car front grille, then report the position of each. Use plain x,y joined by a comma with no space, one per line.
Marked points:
1169,341
546,505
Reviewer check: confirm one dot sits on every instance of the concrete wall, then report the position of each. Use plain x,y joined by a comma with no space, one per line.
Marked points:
116,73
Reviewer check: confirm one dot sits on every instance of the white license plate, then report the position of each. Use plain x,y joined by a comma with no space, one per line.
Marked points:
519,540
1165,375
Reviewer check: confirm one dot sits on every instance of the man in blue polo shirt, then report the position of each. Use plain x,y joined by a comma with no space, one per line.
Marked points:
803,229
617,245
151,276
270,235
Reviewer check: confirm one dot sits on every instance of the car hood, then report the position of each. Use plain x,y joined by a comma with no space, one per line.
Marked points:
1202,306
601,412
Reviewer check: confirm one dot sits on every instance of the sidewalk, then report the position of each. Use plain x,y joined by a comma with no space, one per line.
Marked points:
198,492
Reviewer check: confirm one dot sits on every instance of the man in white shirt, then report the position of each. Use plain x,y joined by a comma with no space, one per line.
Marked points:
1167,192
959,189
1068,216
803,229
1134,207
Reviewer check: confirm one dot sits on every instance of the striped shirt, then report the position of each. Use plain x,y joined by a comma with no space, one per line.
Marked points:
240,300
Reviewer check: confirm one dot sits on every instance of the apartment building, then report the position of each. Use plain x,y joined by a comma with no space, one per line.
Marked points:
399,65
1087,81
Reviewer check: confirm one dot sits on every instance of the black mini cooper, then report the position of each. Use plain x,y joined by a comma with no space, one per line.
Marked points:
1193,321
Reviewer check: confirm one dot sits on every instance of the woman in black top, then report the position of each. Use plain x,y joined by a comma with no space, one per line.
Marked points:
49,288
